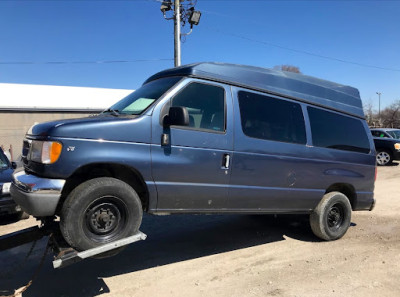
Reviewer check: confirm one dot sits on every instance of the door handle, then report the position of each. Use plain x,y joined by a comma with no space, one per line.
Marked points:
226,161
164,139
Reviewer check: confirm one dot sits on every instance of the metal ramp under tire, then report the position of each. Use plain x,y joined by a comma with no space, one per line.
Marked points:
64,254
68,256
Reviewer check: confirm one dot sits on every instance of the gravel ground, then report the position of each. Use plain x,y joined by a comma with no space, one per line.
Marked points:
230,255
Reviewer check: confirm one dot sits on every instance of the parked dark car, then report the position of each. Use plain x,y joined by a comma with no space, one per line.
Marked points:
7,204
203,138
387,145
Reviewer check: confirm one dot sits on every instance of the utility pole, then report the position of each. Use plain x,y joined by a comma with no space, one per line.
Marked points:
182,14
177,34
379,95
379,110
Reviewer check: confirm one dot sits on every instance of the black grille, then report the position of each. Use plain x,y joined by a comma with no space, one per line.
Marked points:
25,150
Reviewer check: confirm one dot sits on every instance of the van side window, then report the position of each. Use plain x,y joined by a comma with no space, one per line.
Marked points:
269,118
332,130
205,104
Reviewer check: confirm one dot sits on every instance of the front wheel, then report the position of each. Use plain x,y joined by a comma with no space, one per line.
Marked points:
383,158
331,218
100,211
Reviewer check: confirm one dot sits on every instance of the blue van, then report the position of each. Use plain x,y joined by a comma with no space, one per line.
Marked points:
203,138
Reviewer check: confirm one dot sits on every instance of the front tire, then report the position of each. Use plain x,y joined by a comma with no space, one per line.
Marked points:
100,211
332,216
383,158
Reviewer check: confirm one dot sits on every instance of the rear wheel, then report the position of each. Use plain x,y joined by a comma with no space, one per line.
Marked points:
331,218
383,158
100,211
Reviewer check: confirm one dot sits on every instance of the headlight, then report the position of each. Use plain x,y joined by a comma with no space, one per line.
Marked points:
46,152
6,188
397,146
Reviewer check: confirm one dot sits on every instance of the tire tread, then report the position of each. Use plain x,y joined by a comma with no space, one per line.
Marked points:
74,201
317,217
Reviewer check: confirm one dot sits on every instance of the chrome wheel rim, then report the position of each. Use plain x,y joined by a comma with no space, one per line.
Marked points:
382,158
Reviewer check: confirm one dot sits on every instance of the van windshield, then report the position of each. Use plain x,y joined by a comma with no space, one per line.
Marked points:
138,101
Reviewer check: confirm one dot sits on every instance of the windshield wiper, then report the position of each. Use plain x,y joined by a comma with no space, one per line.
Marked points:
114,112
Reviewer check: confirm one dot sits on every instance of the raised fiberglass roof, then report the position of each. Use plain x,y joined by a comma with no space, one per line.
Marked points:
292,85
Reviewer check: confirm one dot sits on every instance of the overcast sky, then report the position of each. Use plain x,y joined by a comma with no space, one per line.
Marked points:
117,44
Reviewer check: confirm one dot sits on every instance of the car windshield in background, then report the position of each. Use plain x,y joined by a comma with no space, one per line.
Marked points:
394,133
138,101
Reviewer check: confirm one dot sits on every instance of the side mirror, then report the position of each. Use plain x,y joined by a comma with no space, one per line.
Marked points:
13,165
177,115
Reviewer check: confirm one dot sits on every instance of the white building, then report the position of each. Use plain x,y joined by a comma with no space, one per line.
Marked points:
22,105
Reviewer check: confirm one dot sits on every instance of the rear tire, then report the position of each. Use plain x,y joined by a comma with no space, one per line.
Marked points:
332,216
100,211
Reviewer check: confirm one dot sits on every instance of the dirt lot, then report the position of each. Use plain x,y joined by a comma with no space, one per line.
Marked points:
191,255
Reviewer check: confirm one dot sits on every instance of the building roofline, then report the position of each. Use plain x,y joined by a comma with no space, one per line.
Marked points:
48,110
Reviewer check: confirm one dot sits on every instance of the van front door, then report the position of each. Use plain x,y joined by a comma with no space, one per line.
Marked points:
191,169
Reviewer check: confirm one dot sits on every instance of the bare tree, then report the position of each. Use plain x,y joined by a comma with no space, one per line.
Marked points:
390,116
370,114
289,68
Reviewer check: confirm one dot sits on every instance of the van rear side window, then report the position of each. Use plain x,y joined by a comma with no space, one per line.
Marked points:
269,118
332,130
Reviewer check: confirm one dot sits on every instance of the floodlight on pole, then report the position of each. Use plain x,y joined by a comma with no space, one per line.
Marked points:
165,6
194,18
181,15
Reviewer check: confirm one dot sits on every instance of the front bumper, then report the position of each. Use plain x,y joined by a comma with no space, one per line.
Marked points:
396,155
37,196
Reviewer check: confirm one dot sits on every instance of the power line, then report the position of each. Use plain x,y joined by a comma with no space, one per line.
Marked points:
288,48
81,62
302,51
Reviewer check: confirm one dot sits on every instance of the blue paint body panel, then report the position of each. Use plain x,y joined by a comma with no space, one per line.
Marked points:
206,171
188,173
309,89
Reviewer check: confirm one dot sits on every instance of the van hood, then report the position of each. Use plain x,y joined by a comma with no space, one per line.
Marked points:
105,127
